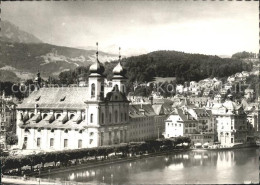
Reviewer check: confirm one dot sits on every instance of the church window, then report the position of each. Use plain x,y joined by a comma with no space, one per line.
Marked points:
92,90
116,116
51,142
72,116
57,116
65,143
80,143
38,142
44,116
102,118
91,118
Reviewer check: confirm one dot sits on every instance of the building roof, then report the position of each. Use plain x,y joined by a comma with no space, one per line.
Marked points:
185,115
57,98
201,112
135,110
162,108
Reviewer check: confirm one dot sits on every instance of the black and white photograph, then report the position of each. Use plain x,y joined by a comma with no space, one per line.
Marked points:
129,92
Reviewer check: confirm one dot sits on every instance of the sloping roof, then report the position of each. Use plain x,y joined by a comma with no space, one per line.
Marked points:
231,105
135,110
73,97
201,112
158,109
185,116
55,124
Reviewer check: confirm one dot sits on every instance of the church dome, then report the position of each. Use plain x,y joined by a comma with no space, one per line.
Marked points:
119,70
97,67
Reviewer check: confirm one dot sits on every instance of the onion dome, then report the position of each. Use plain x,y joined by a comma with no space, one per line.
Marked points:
119,70
97,67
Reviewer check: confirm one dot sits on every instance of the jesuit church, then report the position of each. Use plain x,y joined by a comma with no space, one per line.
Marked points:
76,117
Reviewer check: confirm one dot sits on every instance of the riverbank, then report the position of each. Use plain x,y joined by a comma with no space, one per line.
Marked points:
34,178
106,162
227,148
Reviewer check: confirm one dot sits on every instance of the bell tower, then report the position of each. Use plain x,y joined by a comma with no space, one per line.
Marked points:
96,80
119,78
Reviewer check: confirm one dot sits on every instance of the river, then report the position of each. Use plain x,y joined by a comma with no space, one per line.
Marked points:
192,167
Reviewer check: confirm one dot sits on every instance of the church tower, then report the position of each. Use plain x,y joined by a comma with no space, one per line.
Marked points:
119,78
96,80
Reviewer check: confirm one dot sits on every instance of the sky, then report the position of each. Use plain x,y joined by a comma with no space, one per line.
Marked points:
206,27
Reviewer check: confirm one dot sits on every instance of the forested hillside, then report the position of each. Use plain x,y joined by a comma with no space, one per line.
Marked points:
183,66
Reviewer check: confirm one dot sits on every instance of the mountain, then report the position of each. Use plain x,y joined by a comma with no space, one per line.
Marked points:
178,66
183,66
25,59
113,49
11,33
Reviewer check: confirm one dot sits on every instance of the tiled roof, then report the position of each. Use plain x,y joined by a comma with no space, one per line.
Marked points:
201,112
64,97
135,110
71,124
185,116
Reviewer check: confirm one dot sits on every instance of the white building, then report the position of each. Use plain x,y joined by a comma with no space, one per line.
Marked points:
174,124
75,117
231,123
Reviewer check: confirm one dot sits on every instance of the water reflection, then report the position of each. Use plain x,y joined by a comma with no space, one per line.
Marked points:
234,166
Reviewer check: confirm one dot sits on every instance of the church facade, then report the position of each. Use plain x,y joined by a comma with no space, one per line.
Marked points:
75,117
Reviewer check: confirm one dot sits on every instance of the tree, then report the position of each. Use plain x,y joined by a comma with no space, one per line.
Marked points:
11,138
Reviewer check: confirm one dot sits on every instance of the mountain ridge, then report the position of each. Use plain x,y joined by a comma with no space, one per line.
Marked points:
12,33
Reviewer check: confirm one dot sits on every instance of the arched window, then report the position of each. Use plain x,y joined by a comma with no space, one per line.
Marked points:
92,90
102,91
79,143
44,116
116,116
121,116
91,118
31,115
123,88
102,118
110,118
57,116
72,116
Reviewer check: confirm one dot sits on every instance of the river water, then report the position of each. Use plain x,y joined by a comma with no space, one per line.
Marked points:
192,167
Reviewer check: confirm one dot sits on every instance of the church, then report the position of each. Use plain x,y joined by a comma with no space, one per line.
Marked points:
76,117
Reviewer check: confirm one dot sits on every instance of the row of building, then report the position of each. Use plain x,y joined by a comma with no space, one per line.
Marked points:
90,115
98,112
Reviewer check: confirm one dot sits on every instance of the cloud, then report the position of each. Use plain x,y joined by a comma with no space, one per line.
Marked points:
192,26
